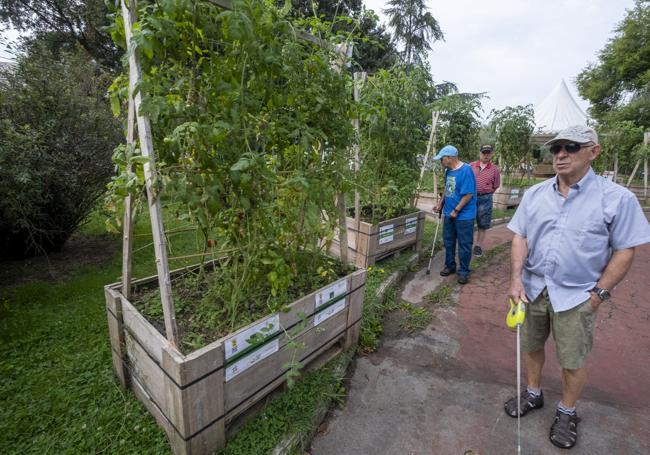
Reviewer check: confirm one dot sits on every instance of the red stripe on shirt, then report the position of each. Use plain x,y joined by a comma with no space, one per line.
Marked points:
488,179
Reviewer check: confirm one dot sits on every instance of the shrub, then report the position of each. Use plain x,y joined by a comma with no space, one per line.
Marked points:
56,139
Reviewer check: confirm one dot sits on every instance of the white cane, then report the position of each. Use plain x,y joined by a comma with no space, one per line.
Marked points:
514,320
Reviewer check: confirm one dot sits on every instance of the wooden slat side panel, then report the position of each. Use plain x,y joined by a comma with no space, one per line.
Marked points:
243,406
355,309
178,445
246,384
116,334
146,334
148,373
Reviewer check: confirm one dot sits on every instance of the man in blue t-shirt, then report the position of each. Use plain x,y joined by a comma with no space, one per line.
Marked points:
459,210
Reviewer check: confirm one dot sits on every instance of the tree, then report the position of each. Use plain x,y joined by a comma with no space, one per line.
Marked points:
373,45
618,86
623,140
414,27
57,135
512,127
459,122
64,24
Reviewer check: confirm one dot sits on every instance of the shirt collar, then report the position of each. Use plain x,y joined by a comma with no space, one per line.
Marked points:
477,163
582,183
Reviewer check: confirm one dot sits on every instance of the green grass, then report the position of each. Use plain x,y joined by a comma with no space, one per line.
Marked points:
57,388
416,318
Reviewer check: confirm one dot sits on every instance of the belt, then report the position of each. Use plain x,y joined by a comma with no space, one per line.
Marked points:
483,194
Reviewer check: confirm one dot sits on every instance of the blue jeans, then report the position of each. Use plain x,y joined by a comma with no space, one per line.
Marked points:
463,232
484,211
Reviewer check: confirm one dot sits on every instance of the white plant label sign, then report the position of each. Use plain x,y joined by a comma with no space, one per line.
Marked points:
237,343
386,233
514,193
251,359
327,294
329,312
411,226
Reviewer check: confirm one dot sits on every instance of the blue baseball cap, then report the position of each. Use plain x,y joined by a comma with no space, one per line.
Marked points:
447,150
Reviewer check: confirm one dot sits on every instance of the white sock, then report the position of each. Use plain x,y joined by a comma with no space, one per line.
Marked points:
566,409
533,391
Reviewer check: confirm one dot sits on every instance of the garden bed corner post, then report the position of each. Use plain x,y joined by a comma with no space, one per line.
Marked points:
153,197
359,79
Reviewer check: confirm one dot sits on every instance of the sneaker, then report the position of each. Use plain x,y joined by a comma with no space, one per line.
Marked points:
564,431
447,271
478,252
527,403
462,280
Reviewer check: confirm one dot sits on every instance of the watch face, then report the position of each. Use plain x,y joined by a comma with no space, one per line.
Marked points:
604,294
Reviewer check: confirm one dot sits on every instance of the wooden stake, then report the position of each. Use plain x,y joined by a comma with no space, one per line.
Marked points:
646,141
127,240
155,210
343,230
615,167
430,144
359,78
629,180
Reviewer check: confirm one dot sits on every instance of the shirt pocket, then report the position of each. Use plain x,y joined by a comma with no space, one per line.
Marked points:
594,237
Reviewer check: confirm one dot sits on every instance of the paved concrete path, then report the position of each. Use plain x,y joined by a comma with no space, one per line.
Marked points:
441,390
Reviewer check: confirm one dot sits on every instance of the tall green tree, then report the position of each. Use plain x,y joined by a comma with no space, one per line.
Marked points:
373,44
64,24
459,122
414,28
618,85
512,128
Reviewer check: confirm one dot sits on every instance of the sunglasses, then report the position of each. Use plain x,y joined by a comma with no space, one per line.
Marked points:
486,152
571,147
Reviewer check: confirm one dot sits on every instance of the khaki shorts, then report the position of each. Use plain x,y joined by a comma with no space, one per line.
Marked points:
573,330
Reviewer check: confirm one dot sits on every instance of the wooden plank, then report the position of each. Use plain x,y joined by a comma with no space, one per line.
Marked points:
155,210
233,413
145,333
127,228
246,384
178,445
116,334
430,144
343,231
355,309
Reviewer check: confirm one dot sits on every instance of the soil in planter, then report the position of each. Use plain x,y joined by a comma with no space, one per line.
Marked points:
375,214
208,307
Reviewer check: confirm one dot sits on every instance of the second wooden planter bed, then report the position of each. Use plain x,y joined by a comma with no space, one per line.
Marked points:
379,240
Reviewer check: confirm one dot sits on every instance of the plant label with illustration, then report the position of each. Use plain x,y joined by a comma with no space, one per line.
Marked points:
411,226
329,312
242,340
251,359
386,233
330,293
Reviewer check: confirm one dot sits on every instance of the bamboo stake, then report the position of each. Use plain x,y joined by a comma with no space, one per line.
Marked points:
646,141
127,240
615,167
432,138
343,230
155,210
629,180
359,78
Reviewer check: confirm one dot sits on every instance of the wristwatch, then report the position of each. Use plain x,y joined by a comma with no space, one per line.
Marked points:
603,294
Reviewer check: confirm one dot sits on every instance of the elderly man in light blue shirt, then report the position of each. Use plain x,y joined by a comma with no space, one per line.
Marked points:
574,242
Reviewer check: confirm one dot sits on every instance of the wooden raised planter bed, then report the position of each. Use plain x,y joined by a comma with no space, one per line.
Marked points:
507,197
376,241
196,397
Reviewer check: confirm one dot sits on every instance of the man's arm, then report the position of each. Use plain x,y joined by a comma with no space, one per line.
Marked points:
463,201
518,255
616,269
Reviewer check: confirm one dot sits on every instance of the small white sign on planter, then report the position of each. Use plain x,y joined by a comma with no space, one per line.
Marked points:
332,292
251,359
411,226
329,312
514,193
386,233
241,341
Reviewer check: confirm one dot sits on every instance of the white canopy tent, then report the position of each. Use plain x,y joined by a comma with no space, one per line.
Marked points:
558,111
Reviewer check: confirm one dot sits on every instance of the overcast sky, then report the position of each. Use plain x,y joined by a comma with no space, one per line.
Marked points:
518,50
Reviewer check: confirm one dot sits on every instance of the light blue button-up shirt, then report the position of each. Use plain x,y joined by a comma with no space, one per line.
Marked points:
570,240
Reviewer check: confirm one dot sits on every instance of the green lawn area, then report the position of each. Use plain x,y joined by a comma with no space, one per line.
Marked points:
57,387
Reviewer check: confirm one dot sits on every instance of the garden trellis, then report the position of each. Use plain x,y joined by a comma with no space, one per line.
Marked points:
196,395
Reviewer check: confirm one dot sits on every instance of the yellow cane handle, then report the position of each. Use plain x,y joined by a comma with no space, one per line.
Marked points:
516,314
